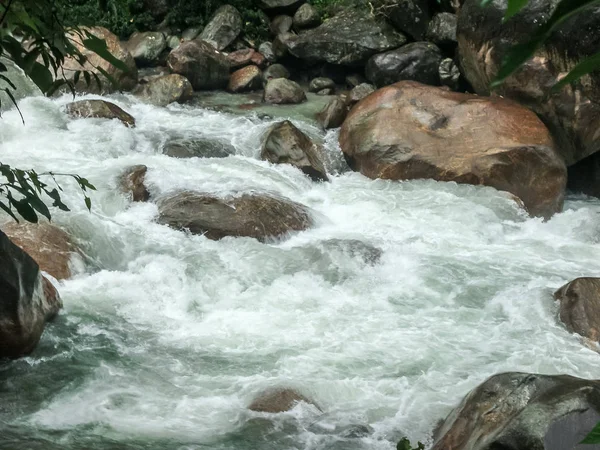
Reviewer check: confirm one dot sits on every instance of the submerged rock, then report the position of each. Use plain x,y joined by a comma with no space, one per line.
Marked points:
520,411
224,27
283,143
198,148
409,131
259,216
164,90
132,183
355,249
283,91
101,109
580,307
200,63
278,401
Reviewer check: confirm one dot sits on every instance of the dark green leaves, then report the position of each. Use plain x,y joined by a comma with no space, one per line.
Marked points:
583,68
514,6
405,444
593,437
98,46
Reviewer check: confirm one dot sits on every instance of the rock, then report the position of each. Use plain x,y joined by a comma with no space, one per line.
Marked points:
165,90
320,83
25,86
146,48
198,148
132,183
173,42
248,78
333,114
290,5
281,24
148,74
259,60
409,131
98,109
281,42
201,64
449,73
266,49
127,80
573,113
359,92
283,143
306,17
354,80
275,71
521,411
409,16
348,38
418,61
278,400
326,91
25,306
283,91
224,27
190,34
442,29
240,58
258,216
580,307
49,246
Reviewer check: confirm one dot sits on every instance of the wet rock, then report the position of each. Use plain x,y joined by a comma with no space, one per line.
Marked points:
283,143
198,148
146,48
410,131
190,34
275,71
98,109
165,90
442,29
334,113
580,307
359,92
306,17
126,80
418,61
173,42
259,60
266,49
201,64
258,216
132,183
278,400
224,27
49,246
247,78
241,58
281,44
326,91
320,83
281,24
573,113
25,87
521,411
27,301
354,248
408,16
348,38
283,91
449,73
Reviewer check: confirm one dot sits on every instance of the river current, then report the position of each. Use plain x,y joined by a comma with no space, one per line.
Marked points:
401,298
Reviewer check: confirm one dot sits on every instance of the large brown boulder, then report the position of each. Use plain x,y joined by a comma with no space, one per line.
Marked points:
521,411
98,109
247,78
580,307
408,131
27,301
199,62
283,143
278,400
259,216
163,91
126,80
573,113
50,247
131,183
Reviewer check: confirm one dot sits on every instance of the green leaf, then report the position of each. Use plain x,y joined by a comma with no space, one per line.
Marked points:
88,203
14,102
85,183
24,209
98,46
514,6
8,211
593,437
586,66
41,76
54,195
39,205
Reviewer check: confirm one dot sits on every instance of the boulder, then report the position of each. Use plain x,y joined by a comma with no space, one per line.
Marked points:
320,83
348,38
25,87
521,411
278,400
283,91
189,34
98,109
281,42
146,48
409,131
241,58
173,42
333,113
449,73
573,113
442,30
260,216
126,80
266,49
418,61
27,301
49,246
247,78
283,143
198,148
132,183
165,90
275,71
580,307
306,17
259,60
281,24
288,5
408,16
359,92
201,64
224,27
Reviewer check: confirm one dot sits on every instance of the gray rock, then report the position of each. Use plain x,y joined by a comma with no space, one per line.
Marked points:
201,64
348,38
442,29
146,48
306,17
320,83
278,400
360,92
99,109
408,16
131,183
326,91
266,48
580,307
198,148
449,73
173,42
192,33
281,24
283,91
275,71
165,90
224,27
333,114
418,61
281,44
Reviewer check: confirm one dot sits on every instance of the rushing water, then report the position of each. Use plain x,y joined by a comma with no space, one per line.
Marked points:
166,337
